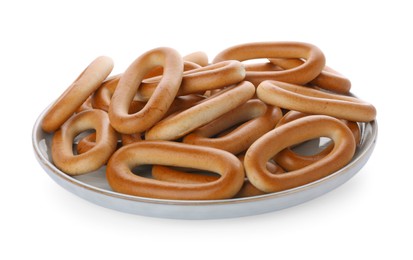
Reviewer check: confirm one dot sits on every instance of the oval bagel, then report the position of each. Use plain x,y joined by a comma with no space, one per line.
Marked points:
95,157
77,93
290,160
327,79
121,178
160,101
199,80
255,118
295,132
315,60
313,101
181,123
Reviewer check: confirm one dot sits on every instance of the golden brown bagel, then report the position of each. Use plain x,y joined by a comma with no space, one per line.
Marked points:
182,123
255,118
160,101
121,178
315,60
77,93
312,101
199,80
62,143
295,132
290,160
328,78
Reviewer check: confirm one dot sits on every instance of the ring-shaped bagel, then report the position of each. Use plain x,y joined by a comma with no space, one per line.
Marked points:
315,60
296,132
102,96
77,93
182,123
255,118
312,101
199,80
293,115
93,159
160,101
290,160
121,178
327,79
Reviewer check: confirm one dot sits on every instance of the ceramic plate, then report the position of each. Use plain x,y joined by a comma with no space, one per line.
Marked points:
94,187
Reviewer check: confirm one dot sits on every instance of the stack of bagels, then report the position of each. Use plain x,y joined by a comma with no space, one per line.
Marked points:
208,130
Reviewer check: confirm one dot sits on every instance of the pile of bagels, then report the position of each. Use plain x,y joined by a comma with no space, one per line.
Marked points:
207,130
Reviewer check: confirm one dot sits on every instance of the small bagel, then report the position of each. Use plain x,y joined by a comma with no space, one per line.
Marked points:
77,93
315,60
312,101
93,159
201,79
290,160
160,101
121,178
295,132
327,79
182,123
255,118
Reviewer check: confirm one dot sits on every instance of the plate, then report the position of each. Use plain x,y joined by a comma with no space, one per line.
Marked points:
94,187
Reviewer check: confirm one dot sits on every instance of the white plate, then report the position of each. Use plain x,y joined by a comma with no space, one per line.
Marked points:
94,188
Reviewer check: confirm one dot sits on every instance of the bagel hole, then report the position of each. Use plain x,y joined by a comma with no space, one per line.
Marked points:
82,135
185,175
312,147
196,171
144,170
79,137
255,61
262,64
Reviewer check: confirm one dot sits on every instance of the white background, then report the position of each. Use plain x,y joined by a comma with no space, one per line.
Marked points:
45,44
